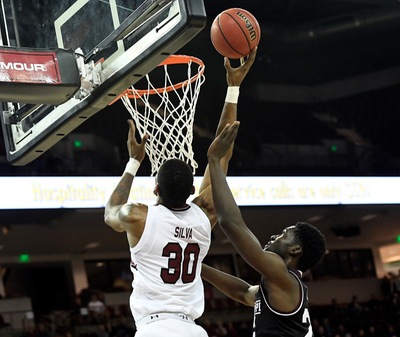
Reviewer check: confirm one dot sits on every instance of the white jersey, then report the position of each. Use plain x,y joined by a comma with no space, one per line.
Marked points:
166,262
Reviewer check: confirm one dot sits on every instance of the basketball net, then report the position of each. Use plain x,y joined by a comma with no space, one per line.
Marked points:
166,113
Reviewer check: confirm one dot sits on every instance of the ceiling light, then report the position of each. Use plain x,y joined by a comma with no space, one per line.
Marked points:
369,217
92,245
315,218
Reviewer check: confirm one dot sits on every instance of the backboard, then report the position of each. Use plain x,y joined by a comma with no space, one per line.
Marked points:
115,43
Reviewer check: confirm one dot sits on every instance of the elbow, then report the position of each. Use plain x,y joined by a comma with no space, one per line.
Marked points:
106,214
247,297
111,220
243,298
109,215
245,302
108,219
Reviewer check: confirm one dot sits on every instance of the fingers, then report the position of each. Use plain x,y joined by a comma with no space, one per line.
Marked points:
131,124
132,132
252,56
136,149
224,141
132,128
144,139
233,130
229,132
227,63
248,61
142,145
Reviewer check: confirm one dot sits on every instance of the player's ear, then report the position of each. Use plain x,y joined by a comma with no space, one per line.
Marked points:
295,249
155,190
193,190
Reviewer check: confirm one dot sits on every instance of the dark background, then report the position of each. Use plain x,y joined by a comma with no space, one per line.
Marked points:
320,100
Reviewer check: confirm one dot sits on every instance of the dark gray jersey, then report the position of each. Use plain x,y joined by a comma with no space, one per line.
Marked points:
271,323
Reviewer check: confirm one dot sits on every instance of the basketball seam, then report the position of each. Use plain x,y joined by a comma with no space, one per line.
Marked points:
222,32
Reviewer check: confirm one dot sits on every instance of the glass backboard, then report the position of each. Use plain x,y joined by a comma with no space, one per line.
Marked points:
115,43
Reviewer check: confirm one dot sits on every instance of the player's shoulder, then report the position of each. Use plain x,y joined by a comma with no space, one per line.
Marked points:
205,203
135,206
133,211
204,197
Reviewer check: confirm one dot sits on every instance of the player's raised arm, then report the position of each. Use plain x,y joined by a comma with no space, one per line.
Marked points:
234,78
117,213
229,215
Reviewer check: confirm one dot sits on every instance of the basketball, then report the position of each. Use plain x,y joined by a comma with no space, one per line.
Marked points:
235,32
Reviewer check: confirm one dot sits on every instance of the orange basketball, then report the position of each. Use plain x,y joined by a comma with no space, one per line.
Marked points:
235,32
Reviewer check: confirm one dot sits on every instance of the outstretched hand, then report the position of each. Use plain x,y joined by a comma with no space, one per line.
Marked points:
235,76
223,142
136,150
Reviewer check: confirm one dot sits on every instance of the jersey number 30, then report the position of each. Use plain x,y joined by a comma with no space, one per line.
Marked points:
182,263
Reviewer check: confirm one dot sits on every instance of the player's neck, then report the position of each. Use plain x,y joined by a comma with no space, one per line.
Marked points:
175,208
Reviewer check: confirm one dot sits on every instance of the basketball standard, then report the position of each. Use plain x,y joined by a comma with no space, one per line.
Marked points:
95,50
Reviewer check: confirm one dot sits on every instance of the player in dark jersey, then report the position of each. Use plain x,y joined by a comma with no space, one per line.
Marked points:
281,299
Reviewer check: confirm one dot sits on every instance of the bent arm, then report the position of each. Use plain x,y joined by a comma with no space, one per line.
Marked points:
118,214
232,286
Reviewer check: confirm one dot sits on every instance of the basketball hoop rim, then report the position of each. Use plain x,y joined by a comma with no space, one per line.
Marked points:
170,60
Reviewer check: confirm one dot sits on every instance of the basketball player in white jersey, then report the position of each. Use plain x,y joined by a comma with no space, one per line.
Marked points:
280,301
169,240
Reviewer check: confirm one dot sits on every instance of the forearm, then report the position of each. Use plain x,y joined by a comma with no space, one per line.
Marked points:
232,286
118,198
224,202
120,195
228,116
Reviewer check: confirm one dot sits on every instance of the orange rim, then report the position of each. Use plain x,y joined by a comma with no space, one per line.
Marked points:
172,59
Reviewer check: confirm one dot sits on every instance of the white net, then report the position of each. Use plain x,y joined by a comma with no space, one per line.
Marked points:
167,114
